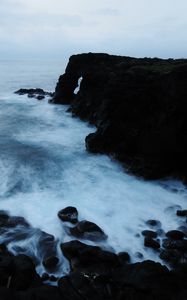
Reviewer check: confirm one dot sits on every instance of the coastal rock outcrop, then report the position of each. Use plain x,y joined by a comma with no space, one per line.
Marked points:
37,93
138,106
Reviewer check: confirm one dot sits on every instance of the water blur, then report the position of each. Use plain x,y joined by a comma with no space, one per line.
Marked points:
45,167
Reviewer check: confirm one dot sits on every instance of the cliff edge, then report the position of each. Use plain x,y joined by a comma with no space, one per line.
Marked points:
139,107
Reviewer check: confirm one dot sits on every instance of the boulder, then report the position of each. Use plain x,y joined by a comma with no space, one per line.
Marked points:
88,258
175,244
88,230
47,245
175,235
50,263
124,257
68,214
149,233
37,93
173,256
182,213
153,223
150,243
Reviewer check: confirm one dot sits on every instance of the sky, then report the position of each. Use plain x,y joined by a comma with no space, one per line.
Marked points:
53,29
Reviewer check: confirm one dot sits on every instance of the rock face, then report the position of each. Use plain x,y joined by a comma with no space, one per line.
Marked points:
68,214
37,93
138,106
88,230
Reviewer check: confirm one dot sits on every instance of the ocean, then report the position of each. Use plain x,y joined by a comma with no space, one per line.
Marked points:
45,167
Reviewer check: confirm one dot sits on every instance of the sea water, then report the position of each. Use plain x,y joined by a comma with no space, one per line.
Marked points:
45,167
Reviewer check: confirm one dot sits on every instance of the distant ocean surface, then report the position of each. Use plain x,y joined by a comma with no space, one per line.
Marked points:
45,167
28,74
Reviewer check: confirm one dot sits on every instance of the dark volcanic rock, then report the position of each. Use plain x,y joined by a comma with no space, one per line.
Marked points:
174,256
175,235
51,262
24,274
150,243
69,214
96,275
47,245
39,94
88,230
139,108
18,272
154,223
149,233
45,277
44,292
7,221
124,257
87,258
40,97
182,213
175,244
147,280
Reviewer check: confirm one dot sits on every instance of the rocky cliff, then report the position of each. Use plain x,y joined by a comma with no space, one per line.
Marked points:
139,107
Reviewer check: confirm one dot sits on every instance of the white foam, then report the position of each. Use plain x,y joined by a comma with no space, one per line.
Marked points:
57,171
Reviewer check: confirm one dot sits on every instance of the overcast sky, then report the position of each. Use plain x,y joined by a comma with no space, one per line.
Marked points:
56,28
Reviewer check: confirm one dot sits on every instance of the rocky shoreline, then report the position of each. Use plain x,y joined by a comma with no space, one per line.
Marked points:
138,106
94,273
139,109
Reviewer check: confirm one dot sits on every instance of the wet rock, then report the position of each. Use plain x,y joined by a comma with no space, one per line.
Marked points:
69,214
40,97
150,243
30,95
88,230
11,221
18,272
149,233
15,221
175,235
124,257
139,255
34,93
7,294
76,287
147,280
4,216
24,274
47,245
45,277
53,278
175,244
154,223
87,258
44,292
6,269
173,256
51,262
4,251
182,213
29,91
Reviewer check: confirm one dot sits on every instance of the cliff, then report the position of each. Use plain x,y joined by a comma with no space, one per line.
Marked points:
139,107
